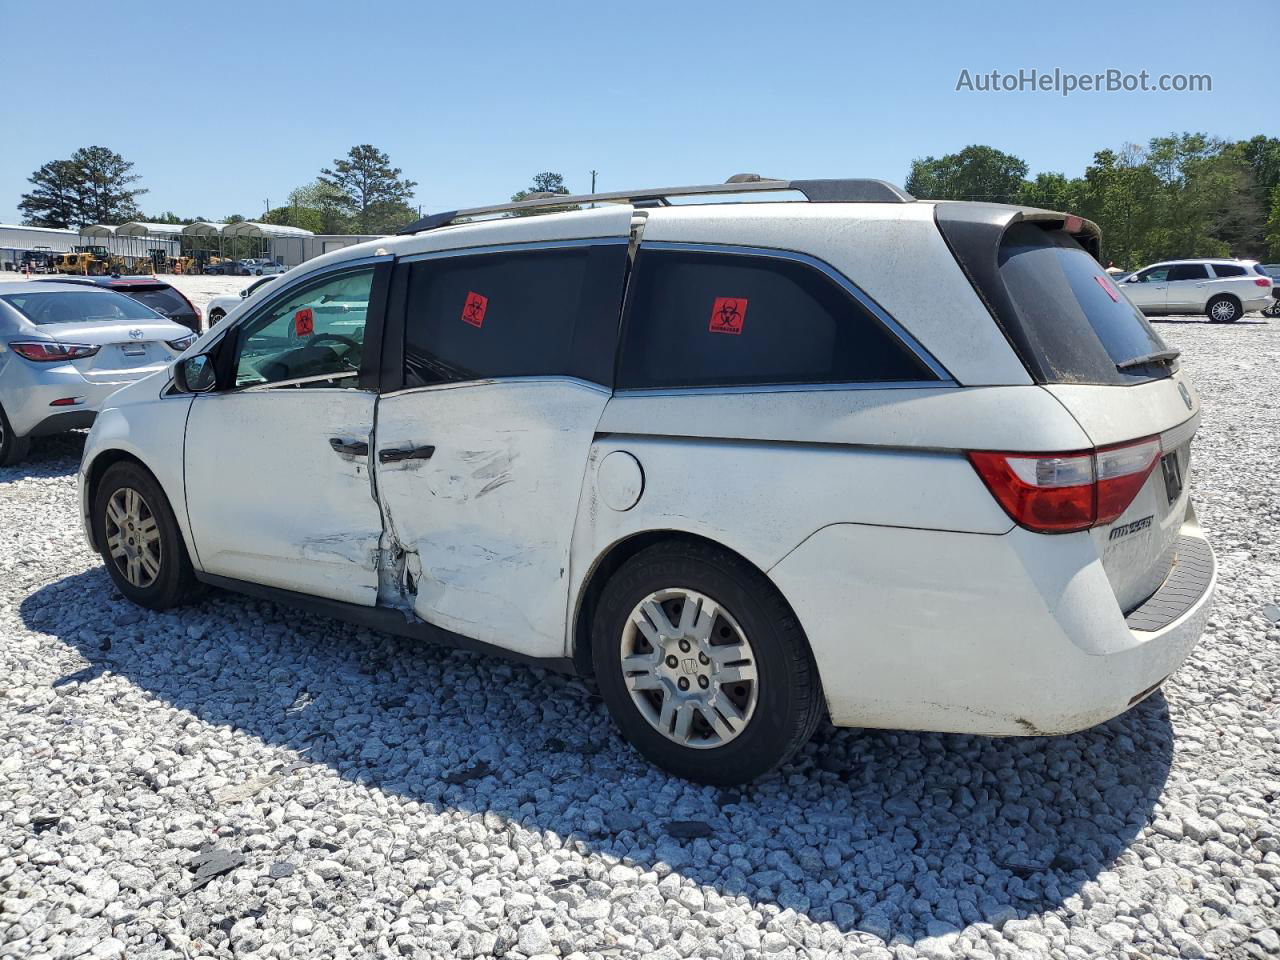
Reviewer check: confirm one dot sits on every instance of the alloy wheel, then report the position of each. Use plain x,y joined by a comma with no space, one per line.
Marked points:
133,537
1223,310
689,668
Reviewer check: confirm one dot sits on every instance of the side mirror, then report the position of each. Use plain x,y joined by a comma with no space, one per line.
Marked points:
195,374
244,293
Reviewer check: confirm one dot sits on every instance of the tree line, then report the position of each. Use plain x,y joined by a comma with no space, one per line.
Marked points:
1182,195
360,193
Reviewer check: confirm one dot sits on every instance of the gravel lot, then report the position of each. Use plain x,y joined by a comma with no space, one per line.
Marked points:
237,779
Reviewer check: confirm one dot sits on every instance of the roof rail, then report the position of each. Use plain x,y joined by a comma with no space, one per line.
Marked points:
815,191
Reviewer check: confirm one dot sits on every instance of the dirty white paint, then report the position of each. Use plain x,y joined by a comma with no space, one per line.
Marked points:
268,499
487,520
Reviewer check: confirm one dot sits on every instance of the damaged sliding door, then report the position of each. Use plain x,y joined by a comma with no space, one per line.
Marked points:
481,447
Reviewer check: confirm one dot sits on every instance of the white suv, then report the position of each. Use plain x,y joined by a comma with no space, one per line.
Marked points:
732,459
1222,290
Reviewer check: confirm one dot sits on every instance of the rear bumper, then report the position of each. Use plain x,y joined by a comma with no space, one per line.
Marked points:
1258,303
27,395
1018,634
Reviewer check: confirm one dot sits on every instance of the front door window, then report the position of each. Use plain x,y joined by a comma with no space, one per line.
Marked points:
315,335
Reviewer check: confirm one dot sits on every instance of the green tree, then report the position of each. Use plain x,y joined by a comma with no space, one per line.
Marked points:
975,173
1273,226
1051,191
106,179
376,195
54,200
1120,195
546,182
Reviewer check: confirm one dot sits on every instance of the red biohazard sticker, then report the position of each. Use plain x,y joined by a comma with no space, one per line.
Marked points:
1108,287
473,310
304,322
727,314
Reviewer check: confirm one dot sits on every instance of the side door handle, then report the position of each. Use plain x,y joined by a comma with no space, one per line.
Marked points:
351,448
405,453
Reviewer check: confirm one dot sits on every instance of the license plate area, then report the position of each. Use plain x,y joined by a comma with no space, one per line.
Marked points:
133,349
1172,471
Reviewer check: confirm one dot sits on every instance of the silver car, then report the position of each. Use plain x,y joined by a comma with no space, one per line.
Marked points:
64,348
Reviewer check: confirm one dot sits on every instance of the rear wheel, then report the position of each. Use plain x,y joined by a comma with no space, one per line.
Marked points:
1223,309
215,316
12,447
138,537
703,665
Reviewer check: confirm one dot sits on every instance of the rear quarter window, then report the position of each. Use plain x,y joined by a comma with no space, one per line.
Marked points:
1229,270
701,319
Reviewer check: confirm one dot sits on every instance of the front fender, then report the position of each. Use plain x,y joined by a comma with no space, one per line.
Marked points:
150,429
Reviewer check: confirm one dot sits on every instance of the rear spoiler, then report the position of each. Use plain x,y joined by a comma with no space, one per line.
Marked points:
985,223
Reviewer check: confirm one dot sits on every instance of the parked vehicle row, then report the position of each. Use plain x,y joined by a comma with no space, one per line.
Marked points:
728,458
251,267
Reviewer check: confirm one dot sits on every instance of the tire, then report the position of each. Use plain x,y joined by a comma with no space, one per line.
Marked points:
12,447
168,581
215,316
772,715
1223,309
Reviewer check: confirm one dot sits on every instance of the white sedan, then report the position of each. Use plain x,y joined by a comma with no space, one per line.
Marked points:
219,307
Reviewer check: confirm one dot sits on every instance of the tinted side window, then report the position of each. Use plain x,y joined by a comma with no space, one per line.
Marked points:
514,314
1154,275
1189,271
709,319
1228,270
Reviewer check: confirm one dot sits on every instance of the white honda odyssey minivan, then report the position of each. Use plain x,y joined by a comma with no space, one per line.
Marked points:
914,464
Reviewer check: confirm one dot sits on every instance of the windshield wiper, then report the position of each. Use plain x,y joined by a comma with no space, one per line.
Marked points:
1163,356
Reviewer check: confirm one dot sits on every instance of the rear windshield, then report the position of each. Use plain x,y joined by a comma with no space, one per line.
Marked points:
1074,321
164,300
78,306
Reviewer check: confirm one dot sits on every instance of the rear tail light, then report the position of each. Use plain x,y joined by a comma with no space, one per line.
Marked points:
182,342
1261,282
45,351
1064,492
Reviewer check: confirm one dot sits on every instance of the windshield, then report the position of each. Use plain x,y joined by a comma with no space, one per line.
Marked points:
78,306
1077,322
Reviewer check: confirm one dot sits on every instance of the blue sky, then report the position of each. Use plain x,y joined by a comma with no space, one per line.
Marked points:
230,106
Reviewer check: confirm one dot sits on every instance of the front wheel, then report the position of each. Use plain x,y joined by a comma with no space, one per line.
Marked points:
1223,309
702,664
138,537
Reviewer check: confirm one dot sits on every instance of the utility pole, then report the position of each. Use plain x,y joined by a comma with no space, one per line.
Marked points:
593,181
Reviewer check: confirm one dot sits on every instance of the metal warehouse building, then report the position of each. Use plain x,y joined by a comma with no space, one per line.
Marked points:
15,240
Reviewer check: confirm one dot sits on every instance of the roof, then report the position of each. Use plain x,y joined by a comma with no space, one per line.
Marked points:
251,228
98,230
34,229
108,280
139,228
18,286
813,191
203,228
